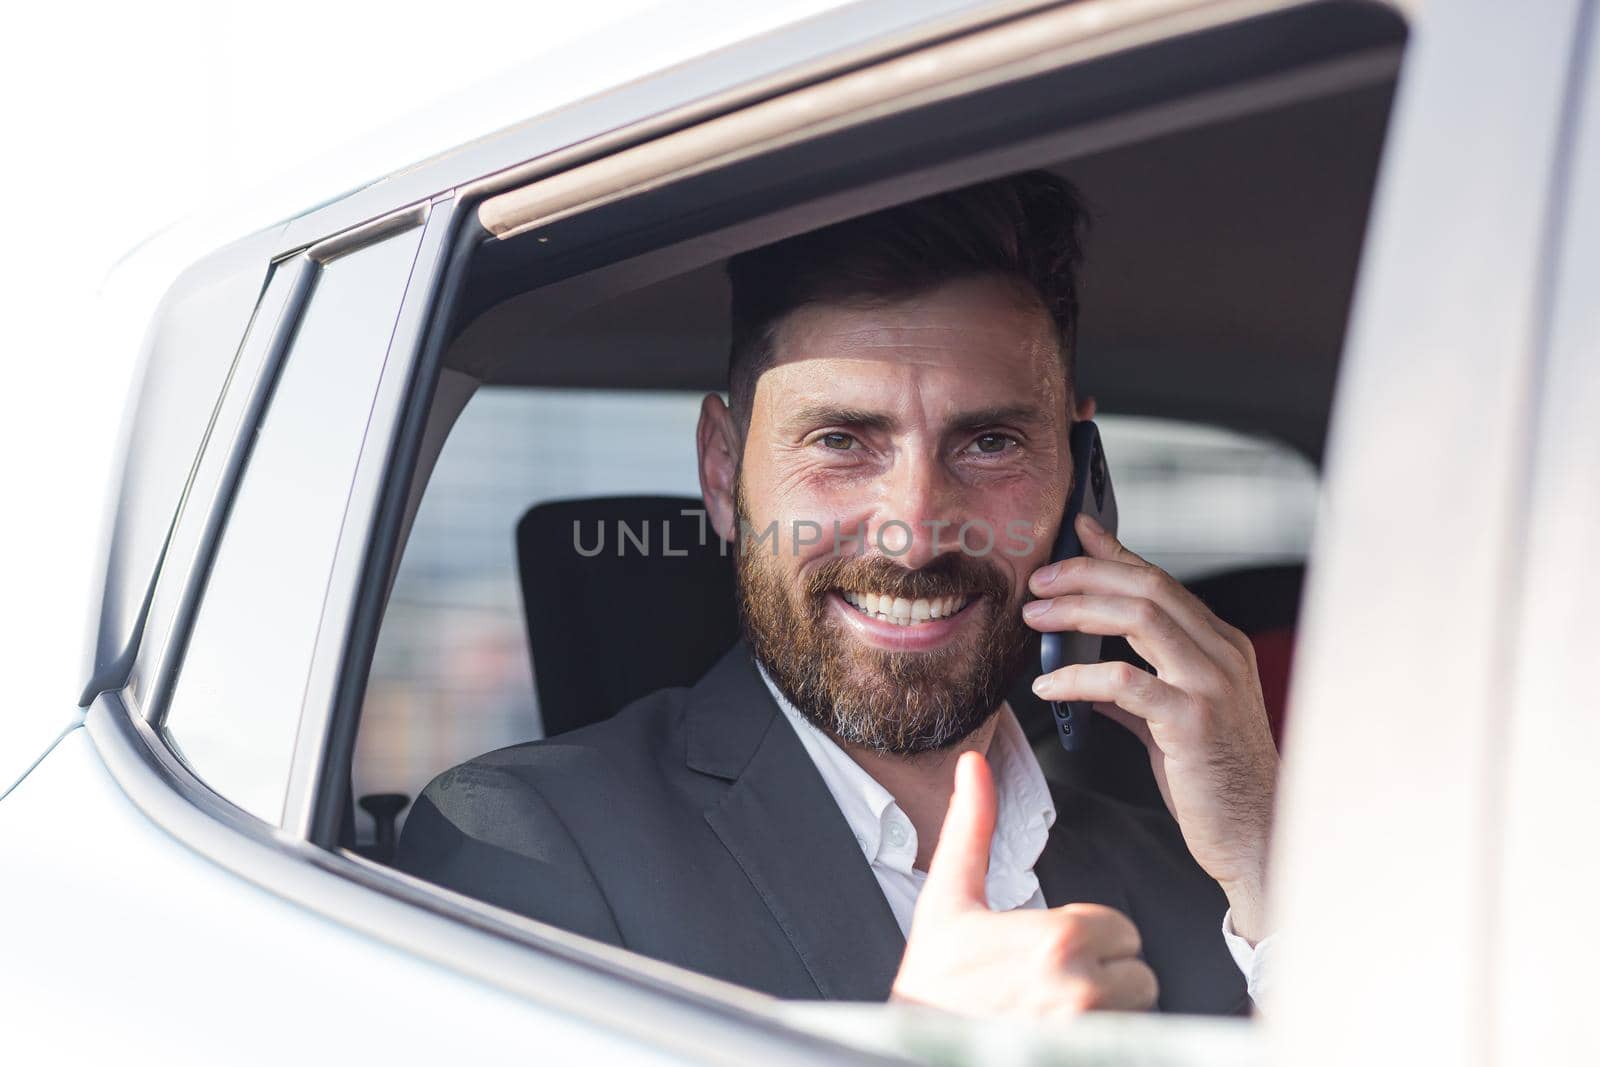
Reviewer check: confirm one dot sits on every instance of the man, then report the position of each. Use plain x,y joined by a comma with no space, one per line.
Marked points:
845,806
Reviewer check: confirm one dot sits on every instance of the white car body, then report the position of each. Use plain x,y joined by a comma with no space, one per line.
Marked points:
1434,876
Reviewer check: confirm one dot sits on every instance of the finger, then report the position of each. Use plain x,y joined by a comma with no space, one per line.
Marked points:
1097,933
1125,985
1101,543
1153,633
1104,577
961,859
1114,682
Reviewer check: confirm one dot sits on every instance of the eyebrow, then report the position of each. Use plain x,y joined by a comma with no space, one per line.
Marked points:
1025,414
834,415
860,418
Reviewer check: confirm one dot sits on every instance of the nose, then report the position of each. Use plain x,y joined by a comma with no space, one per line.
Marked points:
922,511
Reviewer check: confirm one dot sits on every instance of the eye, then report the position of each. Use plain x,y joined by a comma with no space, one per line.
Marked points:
841,442
992,444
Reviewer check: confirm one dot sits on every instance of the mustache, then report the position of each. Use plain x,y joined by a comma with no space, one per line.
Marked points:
952,574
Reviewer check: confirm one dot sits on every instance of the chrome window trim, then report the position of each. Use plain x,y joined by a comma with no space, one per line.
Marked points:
329,249
654,1003
1055,38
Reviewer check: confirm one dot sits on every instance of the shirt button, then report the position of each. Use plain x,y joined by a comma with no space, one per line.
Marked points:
897,833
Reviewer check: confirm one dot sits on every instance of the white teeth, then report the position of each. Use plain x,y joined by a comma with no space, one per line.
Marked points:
903,612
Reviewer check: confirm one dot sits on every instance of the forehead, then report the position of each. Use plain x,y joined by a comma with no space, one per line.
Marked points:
971,342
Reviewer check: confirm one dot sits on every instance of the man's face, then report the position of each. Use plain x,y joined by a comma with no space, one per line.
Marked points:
910,461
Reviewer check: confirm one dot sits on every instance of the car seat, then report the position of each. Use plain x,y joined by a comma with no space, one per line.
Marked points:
622,596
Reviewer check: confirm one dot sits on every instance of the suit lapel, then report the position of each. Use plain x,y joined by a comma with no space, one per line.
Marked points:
782,827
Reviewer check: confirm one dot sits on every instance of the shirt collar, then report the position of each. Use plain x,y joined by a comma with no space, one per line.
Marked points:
1022,822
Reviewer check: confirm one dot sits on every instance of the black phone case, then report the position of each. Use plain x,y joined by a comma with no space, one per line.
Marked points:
1091,494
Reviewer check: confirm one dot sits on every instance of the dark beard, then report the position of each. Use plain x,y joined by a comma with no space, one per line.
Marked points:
902,703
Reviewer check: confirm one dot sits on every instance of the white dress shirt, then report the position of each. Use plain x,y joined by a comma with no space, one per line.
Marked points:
1022,826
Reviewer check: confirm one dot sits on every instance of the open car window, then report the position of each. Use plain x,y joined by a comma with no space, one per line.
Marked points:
453,675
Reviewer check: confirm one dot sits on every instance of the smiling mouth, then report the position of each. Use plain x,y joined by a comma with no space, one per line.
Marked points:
902,612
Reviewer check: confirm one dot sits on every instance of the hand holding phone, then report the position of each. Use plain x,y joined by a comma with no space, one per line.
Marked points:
1091,494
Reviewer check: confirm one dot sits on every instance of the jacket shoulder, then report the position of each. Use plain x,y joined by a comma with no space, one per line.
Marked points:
648,732
511,827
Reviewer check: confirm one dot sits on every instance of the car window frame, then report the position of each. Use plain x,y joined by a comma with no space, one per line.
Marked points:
615,180
322,814
392,356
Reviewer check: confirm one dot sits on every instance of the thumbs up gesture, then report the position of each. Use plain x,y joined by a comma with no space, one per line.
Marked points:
1039,962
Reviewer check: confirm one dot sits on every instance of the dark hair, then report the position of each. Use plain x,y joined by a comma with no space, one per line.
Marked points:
1027,227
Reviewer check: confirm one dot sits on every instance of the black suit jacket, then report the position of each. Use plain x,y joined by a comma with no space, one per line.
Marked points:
694,828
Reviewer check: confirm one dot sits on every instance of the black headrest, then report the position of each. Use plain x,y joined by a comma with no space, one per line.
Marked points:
1255,599
623,596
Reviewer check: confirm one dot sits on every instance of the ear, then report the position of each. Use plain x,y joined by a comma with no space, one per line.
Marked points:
717,439
1086,409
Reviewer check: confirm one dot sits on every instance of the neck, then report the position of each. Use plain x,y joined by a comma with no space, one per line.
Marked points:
922,784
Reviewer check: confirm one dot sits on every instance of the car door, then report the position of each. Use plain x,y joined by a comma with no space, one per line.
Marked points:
1418,725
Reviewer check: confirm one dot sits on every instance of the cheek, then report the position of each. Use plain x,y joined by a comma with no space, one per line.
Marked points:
813,513
1024,515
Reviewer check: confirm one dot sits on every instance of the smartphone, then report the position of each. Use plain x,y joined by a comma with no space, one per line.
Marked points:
1092,495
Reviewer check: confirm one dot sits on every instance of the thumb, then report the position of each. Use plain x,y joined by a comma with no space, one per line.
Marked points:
961,859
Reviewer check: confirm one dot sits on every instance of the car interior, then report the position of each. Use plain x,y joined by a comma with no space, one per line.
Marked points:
1221,259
